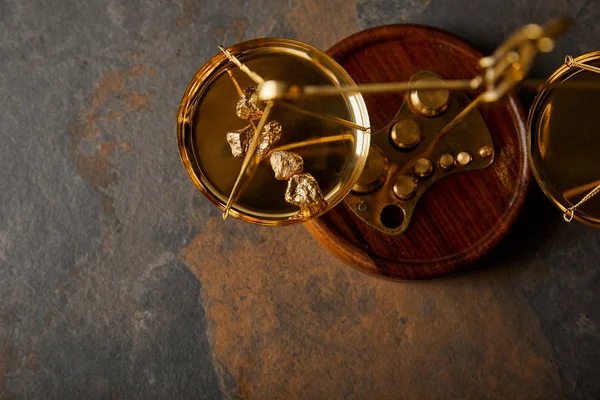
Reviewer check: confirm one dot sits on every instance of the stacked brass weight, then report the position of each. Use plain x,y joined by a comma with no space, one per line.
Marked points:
303,189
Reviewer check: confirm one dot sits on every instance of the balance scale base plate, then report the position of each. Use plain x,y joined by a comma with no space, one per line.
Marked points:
459,218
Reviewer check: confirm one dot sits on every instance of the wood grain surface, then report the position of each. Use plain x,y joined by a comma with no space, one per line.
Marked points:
461,217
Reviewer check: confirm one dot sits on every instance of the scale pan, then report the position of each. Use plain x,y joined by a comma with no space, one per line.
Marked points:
564,141
333,154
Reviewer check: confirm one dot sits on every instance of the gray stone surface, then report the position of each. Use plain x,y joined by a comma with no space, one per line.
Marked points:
95,300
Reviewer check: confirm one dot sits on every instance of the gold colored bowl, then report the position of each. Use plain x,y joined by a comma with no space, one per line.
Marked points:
208,112
563,137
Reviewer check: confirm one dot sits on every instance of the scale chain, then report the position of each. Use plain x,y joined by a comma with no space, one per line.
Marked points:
569,62
569,212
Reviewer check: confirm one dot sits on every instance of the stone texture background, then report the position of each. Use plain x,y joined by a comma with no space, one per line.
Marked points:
119,280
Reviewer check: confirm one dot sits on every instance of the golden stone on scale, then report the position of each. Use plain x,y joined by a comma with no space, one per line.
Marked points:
303,190
286,164
247,108
270,135
239,140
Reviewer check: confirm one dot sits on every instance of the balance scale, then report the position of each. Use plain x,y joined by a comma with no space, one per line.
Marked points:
402,149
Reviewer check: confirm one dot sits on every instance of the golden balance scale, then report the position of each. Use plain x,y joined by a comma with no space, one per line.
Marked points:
403,150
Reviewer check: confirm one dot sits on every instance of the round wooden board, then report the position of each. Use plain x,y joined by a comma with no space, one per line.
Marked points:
462,216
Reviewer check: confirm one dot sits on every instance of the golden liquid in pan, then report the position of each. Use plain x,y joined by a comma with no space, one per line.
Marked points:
566,150
336,166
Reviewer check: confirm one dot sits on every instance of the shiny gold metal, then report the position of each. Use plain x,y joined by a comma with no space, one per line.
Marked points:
405,187
458,118
240,92
501,71
239,140
292,70
303,191
563,141
429,103
270,135
313,142
373,173
265,136
469,136
296,92
247,107
326,117
286,164
446,162
486,151
235,83
423,168
275,90
252,147
251,74
463,158
512,60
570,212
405,134
334,154
569,62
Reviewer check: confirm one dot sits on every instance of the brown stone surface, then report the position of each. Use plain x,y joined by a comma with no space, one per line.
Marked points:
335,19
100,230
288,320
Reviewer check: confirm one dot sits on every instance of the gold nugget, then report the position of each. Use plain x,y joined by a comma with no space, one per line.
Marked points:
303,190
239,140
247,108
286,164
249,155
269,136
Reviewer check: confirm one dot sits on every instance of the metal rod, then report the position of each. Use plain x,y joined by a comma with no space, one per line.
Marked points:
460,117
326,117
251,150
569,62
235,82
399,87
312,142
239,90
387,87
251,74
